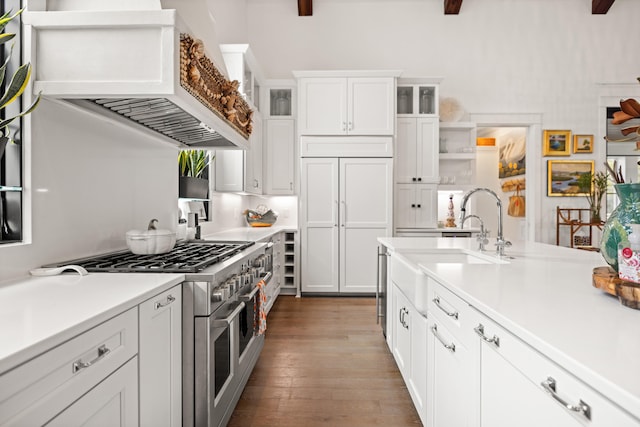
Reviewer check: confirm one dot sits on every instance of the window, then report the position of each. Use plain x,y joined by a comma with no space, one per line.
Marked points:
11,177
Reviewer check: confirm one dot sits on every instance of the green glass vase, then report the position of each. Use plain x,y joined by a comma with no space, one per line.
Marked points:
617,227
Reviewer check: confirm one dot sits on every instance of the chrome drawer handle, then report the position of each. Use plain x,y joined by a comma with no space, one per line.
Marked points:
451,347
79,364
453,314
480,331
170,299
550,386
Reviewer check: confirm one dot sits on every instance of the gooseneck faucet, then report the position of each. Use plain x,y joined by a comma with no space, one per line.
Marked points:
500,241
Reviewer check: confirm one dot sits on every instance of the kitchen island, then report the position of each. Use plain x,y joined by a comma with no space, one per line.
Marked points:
541,295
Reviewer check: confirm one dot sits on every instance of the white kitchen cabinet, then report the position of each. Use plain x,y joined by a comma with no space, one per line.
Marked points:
36,392
280,155
452,386
241,170
340,227
243,67
110,403
410,348
346,105
513,377
417,150
417,97
160,357
415,206
457,154
253,170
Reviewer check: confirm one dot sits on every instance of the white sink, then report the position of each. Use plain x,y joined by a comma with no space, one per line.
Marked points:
451,256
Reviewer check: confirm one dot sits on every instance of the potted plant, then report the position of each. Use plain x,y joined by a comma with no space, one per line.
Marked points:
595,186
16,86
193,184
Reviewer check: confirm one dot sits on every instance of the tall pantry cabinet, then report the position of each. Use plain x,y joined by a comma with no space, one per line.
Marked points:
346,205
346,177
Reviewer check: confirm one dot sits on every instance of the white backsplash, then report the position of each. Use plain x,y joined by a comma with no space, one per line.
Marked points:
94,179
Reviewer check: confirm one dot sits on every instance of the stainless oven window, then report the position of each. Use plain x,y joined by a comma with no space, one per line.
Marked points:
222,358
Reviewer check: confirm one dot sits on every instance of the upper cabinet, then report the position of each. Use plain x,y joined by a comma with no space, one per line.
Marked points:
346,104
417,97
242,66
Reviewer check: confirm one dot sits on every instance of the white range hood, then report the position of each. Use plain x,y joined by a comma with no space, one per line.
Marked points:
122,59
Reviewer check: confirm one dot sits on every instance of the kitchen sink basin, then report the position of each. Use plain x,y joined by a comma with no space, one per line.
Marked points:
452,256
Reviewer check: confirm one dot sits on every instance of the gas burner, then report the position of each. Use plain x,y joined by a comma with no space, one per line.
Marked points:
185,257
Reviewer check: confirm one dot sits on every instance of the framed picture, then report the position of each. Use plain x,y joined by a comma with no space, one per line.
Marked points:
564,177
556,143
583,143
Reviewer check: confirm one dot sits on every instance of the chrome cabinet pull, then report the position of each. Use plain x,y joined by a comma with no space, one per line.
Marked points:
582,408
169,300
480,331
453,314
451,347
79,364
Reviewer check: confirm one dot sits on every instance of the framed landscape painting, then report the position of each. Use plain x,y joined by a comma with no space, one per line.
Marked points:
556,143
583,143
564,177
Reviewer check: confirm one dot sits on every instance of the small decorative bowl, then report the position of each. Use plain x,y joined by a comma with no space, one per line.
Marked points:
254,219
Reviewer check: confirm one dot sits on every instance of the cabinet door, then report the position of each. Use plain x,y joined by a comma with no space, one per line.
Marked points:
113,402
280,140
371,105
405,206
253,159
426,202
229,165
363,219
450,388
427,154
418,382
323,106
160,359
402,333
406,149
319,219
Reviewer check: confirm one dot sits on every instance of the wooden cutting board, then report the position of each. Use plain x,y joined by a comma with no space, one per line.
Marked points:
607,279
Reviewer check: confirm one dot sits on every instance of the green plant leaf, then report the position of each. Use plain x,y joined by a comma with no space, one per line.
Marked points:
6,18
5,37
4,123
17,86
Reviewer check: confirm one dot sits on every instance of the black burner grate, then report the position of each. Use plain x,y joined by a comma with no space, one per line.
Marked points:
185,257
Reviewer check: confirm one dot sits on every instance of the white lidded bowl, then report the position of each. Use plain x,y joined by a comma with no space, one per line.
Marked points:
150,241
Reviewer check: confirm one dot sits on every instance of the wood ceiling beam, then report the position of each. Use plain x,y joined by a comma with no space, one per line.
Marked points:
600,7
305,7
452,7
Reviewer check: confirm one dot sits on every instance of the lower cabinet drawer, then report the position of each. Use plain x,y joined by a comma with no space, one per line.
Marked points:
559,396
113,402
452,311
38,390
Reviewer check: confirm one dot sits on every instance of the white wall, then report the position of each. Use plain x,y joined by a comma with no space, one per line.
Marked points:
91,182
497,56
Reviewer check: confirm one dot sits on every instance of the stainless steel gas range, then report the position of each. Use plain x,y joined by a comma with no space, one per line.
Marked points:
221,337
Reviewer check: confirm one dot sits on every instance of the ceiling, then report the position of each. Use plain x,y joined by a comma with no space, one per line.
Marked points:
452,7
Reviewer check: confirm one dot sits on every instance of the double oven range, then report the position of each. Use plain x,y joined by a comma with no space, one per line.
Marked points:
221,340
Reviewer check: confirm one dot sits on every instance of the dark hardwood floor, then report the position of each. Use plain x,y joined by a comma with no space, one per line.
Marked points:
324,363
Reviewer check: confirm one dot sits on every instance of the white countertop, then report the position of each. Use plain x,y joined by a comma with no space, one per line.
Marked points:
545,296
247,233
39,313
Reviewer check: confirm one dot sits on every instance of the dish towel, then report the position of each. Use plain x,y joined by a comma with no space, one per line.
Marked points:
259,309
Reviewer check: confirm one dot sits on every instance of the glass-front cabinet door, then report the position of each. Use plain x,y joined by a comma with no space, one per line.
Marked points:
416,98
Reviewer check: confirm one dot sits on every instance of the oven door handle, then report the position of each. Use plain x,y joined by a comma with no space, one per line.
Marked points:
250,295
223,323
